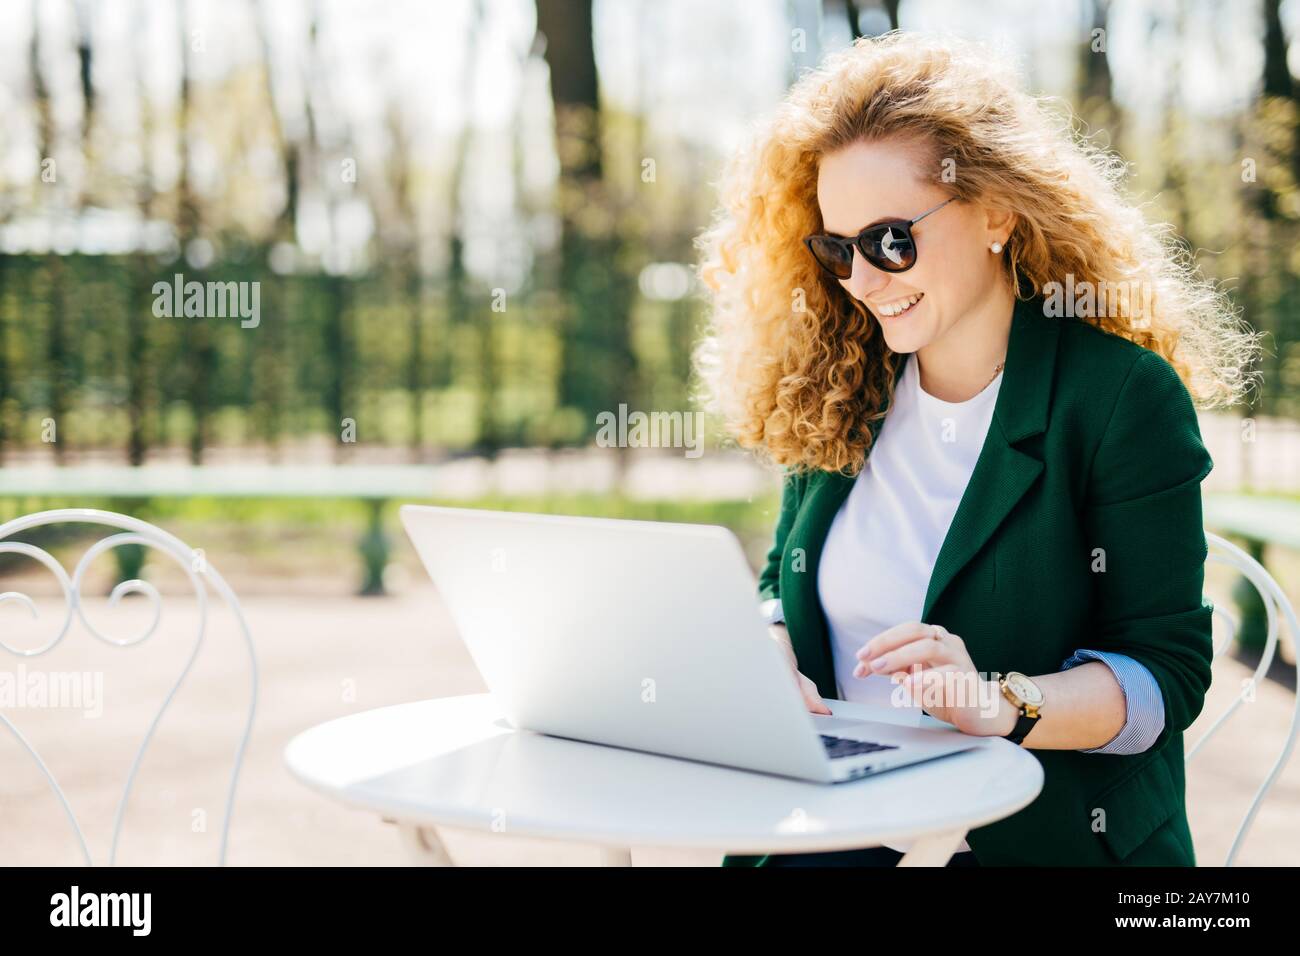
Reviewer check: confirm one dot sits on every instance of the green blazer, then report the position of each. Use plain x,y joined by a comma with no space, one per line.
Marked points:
1080,527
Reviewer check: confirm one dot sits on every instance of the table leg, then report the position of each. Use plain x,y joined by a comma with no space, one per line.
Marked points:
615,856
933,850
424,845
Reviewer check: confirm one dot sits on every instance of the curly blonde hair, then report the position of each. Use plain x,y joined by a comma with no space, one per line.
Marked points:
798,368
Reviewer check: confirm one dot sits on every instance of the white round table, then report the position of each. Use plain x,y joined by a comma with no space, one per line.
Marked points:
457,762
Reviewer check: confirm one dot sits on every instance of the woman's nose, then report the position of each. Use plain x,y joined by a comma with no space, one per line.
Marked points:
866,279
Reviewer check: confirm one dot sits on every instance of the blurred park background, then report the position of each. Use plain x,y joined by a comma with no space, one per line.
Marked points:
470,225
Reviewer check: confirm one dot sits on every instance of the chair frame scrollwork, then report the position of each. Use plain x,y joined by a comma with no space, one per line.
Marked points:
201,576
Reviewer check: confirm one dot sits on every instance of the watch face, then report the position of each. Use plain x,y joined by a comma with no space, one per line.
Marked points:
1024,688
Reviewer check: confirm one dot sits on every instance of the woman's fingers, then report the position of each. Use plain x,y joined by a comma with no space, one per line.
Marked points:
897,636
812,698
920,651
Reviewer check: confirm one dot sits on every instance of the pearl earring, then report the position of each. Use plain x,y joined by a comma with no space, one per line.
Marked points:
995,248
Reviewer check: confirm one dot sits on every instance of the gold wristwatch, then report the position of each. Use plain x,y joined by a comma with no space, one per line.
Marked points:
1027,697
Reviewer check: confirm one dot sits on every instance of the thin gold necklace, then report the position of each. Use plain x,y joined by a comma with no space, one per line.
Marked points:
996,370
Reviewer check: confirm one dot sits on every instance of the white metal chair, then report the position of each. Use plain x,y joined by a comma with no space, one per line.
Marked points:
1276,606
200,574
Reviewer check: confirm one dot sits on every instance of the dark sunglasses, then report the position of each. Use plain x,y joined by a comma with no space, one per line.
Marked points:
888,246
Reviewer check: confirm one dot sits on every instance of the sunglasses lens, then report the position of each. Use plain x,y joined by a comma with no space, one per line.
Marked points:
834,257
890,247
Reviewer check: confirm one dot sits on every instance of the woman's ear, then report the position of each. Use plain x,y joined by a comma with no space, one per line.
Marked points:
1000,223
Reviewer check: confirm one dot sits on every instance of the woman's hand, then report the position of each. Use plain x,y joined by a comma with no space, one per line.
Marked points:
937,672
812,698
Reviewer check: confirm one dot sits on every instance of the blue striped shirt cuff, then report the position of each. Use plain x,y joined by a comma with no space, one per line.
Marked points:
1145,708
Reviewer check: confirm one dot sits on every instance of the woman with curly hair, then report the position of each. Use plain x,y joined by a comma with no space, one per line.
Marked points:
978,366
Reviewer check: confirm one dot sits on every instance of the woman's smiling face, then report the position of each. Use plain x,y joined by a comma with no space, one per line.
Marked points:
867,182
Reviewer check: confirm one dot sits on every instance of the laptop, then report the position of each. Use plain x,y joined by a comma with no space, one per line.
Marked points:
643,635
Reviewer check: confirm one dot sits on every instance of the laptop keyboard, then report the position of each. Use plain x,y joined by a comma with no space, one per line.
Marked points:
839,747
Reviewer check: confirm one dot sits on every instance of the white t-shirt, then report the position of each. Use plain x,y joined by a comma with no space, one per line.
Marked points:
881,548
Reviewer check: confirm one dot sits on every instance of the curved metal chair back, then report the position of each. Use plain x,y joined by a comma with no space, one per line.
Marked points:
201,575
1278,608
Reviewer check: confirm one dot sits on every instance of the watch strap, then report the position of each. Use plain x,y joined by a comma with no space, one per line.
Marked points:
1023,726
